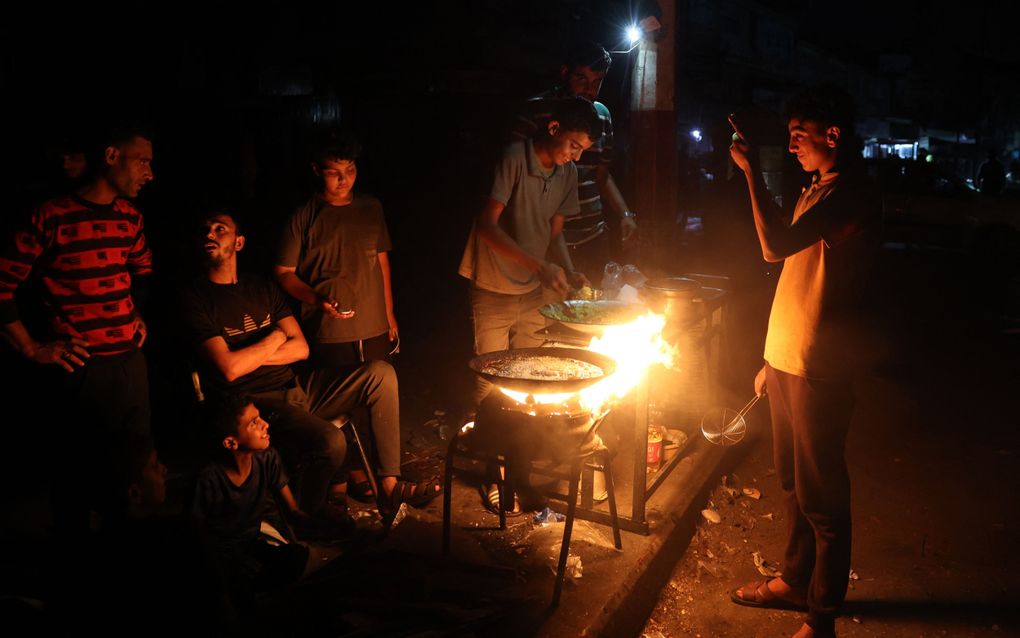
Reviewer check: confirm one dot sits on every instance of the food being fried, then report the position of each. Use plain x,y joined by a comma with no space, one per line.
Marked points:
591,312
542,368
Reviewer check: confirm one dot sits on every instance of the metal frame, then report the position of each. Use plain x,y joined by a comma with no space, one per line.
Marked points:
644,485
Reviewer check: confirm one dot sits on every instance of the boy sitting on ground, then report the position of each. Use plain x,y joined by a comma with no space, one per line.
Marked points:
230,503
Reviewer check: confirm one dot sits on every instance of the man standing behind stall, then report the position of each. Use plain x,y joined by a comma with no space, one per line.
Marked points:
534,189
585,232
826,253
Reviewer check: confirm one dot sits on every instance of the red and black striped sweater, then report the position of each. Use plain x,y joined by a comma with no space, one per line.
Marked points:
85,255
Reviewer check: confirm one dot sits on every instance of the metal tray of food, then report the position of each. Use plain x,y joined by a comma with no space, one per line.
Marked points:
592,317
543,370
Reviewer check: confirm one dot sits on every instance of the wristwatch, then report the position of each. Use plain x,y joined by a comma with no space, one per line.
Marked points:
630,214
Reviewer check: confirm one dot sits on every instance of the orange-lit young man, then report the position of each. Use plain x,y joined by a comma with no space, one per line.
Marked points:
533,190
826,253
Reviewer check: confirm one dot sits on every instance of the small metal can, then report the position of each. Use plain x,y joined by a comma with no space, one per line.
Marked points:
654,451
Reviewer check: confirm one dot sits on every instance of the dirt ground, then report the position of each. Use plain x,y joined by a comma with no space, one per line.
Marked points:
932,456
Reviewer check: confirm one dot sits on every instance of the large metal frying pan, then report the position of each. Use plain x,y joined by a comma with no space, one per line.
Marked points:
509,369
591,317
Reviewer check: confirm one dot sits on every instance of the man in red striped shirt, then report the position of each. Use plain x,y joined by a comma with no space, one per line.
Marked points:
85,249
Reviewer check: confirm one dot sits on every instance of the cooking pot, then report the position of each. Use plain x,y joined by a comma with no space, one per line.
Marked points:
678,298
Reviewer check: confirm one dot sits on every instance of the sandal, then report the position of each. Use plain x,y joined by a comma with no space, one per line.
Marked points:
764,598
490,499
417,494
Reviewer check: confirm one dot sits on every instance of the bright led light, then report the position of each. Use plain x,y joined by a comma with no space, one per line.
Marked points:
633,34
696,134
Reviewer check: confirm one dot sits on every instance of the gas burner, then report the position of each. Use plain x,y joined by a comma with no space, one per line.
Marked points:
542,405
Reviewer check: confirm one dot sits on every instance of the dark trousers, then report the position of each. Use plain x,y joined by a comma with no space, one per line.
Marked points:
312,447
373,386
112,392
93,412
810,420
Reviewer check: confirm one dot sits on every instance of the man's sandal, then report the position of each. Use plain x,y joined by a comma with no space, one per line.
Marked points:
757,594
417,494
490,499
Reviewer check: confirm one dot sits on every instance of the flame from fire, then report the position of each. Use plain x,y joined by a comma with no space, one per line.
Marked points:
635,347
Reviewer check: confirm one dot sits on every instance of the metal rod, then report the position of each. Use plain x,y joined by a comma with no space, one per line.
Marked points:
750,404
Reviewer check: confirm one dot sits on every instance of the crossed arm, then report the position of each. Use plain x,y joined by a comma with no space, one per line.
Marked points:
284,344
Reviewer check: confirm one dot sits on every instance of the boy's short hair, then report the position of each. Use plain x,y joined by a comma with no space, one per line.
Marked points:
337,146
223,412
826,105
578,114
587,53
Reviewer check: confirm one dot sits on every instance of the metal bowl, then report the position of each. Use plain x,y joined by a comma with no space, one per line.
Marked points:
498,367
591,317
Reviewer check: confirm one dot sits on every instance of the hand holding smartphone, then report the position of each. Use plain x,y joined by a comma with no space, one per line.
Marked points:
738,135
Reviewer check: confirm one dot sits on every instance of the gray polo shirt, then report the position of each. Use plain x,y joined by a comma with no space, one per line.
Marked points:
532,197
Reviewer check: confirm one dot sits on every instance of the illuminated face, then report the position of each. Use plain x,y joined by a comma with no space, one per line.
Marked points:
252,430
130,166
582,81
337,179
566,146
814,147
220,239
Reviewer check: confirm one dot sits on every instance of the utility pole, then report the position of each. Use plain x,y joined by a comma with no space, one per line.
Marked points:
653,130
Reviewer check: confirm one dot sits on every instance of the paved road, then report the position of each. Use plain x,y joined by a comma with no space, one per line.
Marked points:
933,454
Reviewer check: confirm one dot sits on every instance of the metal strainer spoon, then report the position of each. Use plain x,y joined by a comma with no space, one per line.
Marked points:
723,426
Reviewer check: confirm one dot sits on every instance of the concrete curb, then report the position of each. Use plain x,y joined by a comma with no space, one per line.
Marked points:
625,611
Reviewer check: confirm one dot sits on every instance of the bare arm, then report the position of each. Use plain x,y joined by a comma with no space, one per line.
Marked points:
490,232
236,364
612,199
297,288
290,505
778,239
562,254
295,348
391,317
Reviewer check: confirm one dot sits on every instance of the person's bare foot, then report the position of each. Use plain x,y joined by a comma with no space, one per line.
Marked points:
779,587
773,593
806,631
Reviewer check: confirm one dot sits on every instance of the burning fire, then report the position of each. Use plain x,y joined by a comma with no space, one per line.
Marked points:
635,347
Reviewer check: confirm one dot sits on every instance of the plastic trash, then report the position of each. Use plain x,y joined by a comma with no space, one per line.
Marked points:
547,516
400,515
628,294
612,280
632,276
